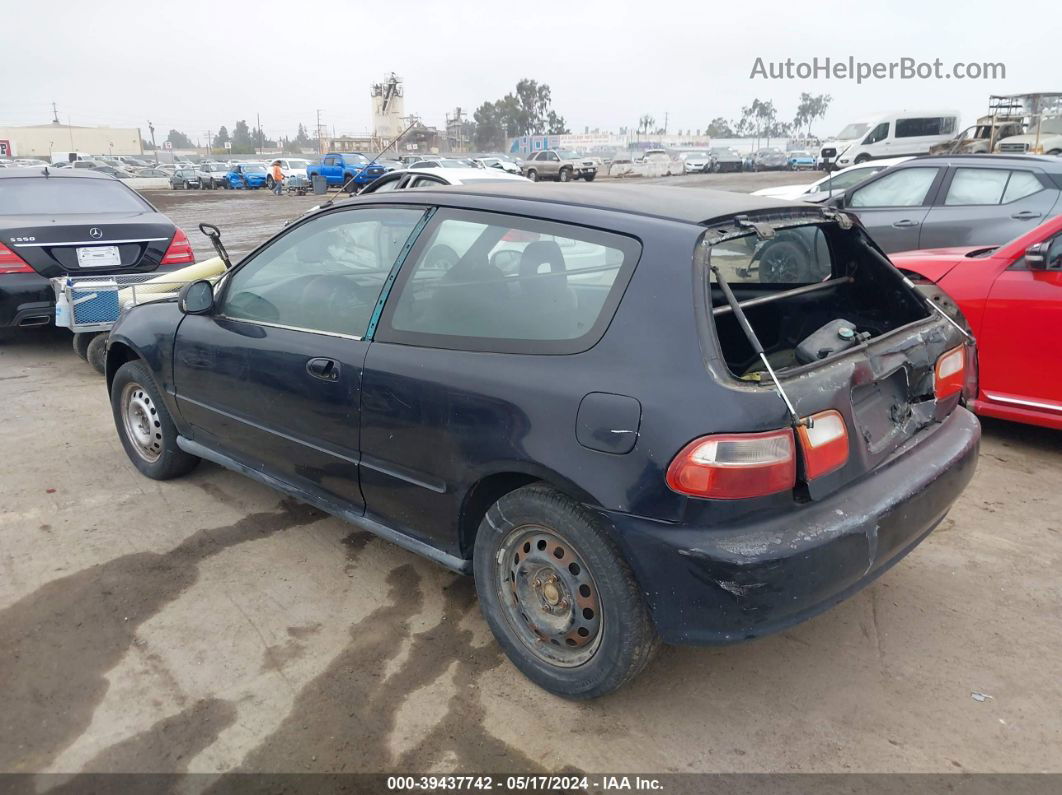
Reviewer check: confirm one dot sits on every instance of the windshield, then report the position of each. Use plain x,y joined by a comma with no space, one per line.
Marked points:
853,131
568,155
799,154
725,152
33,196
692,155
449,163
357,158
254,169
298,163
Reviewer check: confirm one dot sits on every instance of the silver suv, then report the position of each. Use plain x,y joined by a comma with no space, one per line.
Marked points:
559,164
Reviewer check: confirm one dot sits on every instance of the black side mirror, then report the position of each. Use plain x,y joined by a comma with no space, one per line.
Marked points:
1036,256
196,298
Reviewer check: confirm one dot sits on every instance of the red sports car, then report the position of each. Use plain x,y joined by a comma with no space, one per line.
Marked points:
1011,297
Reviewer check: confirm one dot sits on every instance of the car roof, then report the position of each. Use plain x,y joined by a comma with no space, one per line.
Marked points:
1050,162
465,173
53,173
692,205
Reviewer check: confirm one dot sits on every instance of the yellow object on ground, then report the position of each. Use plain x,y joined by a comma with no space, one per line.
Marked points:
169,283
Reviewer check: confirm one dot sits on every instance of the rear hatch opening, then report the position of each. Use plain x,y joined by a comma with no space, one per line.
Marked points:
841,330
809,288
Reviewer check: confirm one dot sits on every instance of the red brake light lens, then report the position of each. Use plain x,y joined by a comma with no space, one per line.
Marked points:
825,444
10,262
734,466
180,250
950,373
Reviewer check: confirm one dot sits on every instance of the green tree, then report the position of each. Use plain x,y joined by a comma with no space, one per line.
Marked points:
302,138
810,108
719,128
490,127
179,140
528,111
243,143
221,138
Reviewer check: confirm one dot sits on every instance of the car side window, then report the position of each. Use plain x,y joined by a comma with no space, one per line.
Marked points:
907,187
324,275
1054,253
977,186
425,182
879,133
845,181
488,282
1021,184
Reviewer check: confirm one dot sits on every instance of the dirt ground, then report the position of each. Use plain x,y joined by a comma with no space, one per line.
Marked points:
206,624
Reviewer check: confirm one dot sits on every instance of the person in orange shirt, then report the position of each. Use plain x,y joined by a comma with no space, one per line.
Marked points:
278,178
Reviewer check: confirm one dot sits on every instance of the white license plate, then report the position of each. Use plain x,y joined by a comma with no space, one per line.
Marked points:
99,257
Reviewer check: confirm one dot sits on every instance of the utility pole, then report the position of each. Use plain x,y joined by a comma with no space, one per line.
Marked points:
55,114
261,143
210,143
152,128
665,122
320,145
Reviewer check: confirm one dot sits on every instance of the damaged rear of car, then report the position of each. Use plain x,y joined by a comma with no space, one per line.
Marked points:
840,440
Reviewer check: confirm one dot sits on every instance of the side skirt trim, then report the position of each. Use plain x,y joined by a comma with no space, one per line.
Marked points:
428,551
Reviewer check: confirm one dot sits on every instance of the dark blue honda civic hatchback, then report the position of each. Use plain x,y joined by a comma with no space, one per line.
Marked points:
635,414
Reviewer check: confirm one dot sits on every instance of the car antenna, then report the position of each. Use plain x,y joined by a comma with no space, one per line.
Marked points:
214,234
754,341
394,141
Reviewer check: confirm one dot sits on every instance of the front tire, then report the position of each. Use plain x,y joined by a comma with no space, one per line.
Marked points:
145,426
81,342
532,175
861,160
558,595
589,177
565,175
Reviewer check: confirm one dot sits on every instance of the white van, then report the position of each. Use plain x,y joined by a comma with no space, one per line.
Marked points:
69,157
897,134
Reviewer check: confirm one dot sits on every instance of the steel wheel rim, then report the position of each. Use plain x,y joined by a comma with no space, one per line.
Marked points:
549,596
141,421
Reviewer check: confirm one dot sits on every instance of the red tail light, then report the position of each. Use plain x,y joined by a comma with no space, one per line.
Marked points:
10,262
732,466
180,250
825,444
949,375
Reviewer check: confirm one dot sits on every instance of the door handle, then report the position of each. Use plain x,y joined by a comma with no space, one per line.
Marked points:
906,222
325,369
1025,215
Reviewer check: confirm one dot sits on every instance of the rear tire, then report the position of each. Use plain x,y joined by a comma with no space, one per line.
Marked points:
145,426
96,352
558,595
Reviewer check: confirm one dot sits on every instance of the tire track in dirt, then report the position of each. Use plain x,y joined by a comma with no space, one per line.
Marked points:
342,720
57,643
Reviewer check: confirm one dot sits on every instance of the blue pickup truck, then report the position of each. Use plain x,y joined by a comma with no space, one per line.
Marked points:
339,169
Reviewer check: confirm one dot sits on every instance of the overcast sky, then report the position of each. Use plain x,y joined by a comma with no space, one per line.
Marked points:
196,65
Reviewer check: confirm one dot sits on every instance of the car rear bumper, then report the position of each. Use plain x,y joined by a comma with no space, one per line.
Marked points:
726,584
26,299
